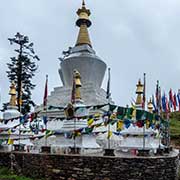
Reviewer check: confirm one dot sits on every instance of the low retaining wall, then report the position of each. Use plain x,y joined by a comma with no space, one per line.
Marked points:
75,167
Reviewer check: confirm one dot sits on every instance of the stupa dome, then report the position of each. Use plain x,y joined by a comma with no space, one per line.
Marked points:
84,59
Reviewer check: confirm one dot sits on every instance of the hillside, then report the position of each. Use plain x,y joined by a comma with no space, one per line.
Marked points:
175,129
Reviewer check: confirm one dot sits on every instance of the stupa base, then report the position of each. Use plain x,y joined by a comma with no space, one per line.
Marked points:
75,150
45,149
19,147
160,151
143,152
109,152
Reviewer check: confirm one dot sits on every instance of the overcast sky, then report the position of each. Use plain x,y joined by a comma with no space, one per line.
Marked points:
131,36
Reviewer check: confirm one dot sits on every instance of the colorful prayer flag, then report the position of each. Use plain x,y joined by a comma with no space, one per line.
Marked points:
174,102
178,98
48,133
90,121
171,98
120,125
164,102
10,141
109,134
45,120
153,102
167,106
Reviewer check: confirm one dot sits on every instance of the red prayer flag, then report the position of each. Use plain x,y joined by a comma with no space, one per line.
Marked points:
167,106
171,98
174,102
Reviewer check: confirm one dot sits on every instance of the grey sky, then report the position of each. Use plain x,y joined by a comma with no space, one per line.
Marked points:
131,36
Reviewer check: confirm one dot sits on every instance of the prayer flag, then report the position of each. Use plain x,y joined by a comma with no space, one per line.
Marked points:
10,141
9,132
153,102
178,98
164,102
48,133
109,134
171,98
167,106
120,125
174,102
45,119
158,98
90,121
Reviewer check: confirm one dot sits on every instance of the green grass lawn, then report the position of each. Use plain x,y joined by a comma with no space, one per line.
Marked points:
5,174
175,128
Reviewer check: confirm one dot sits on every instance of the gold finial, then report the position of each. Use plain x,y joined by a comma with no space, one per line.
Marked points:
77,77
150,106
83,22
140,87
12,93
78,84
139,92
83,3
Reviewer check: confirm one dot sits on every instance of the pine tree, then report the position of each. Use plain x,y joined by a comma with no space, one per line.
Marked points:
21,70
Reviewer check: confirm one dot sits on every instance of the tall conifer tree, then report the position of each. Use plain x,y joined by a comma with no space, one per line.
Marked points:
21,70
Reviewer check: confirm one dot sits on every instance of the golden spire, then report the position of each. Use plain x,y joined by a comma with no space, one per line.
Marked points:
150,106
78,84
83,3
83,22
12,92
139,92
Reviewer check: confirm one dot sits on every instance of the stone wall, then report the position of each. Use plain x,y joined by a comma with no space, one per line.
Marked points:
74,167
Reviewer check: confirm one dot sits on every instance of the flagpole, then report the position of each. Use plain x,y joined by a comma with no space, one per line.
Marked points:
74,134
158,109
168,138
73,99
144,99
168,128
45,106
108,96
46,128
20,108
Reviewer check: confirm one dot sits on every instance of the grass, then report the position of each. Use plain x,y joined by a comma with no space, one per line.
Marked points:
5,174
175,128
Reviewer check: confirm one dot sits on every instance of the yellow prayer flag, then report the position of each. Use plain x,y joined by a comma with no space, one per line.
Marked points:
134,114
90,121
120,125
9,132
10,141
48,133
97,115
78,134
147,124
109,134
113,116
